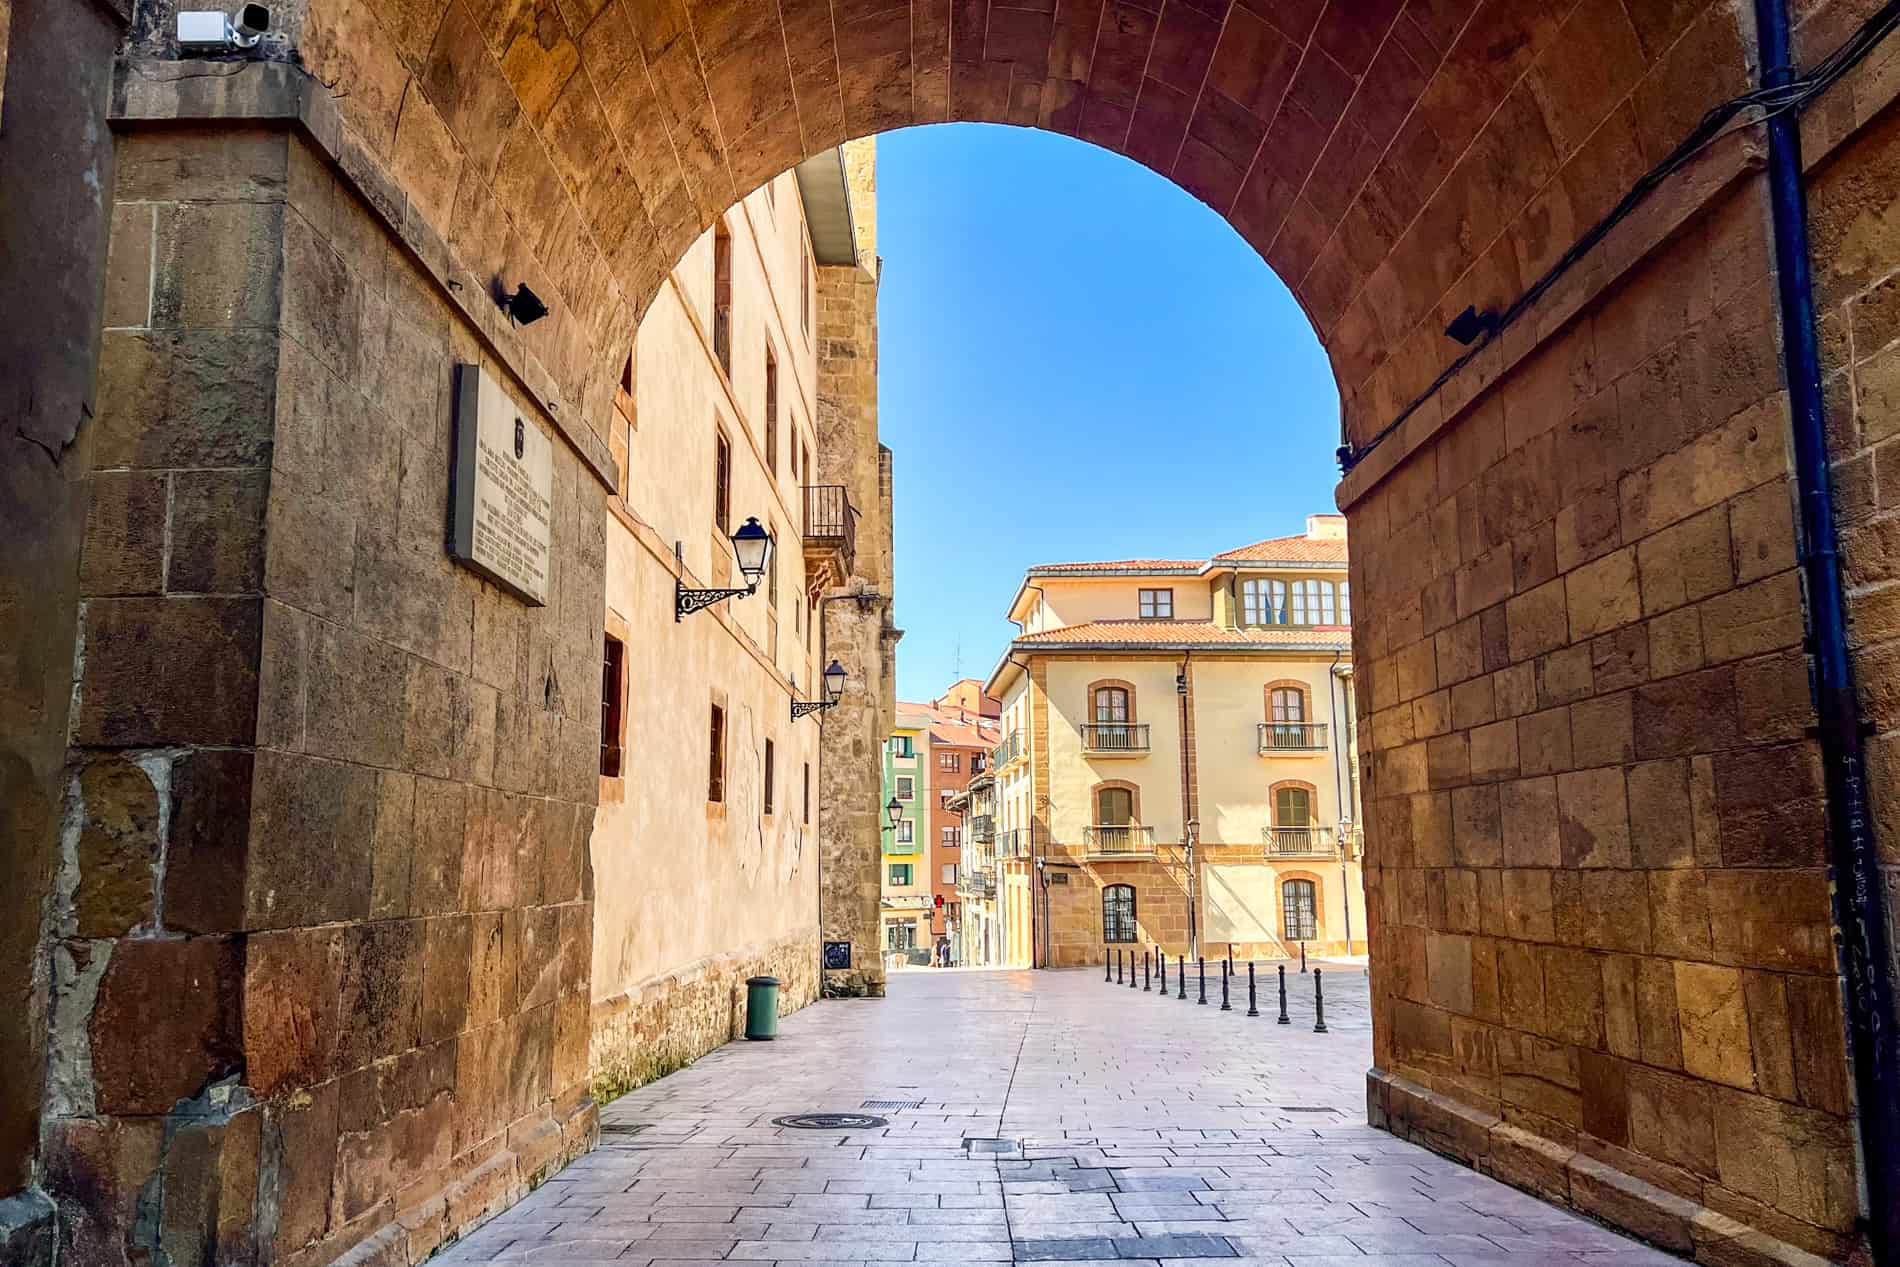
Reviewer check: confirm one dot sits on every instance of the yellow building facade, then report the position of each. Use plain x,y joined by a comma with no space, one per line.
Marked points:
1177,765
706,844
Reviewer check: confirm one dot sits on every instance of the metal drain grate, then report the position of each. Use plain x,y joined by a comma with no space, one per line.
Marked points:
1307,1108
994,1146
892,1104
619,1128
830,1121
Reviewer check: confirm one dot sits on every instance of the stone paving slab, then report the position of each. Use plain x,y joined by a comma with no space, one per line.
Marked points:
1054,1119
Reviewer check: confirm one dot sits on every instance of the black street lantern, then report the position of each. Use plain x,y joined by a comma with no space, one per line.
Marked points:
752,545
833,677
894,812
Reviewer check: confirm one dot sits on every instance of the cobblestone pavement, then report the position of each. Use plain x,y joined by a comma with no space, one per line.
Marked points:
1034,1117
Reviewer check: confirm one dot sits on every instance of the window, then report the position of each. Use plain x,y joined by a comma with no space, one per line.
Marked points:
943,796
949,873
722,480
900,874
1292,807
716,781
1313,603
1345,603
900,936
807,813
771,411
1114,807
906,787
1288,704
1298,910
1111,705
901,747
1118,912
1157,604
770,781
722,296
976,763
949,761
947,837
906,831
612,675
1263,602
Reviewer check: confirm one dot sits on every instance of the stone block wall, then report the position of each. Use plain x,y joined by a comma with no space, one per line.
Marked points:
665,1024
323,920
1596,875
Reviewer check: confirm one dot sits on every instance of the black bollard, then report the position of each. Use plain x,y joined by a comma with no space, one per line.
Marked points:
1108,973
1131,967
1302,956
1225,1006
1202,961
1319,1005
1147,971
1283,1016
1163,955
1253,1009
1181,976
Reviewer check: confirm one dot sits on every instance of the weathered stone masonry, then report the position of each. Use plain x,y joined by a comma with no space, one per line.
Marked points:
1581,671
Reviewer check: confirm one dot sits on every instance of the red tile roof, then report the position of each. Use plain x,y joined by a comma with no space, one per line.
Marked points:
1120,565
1198,633
1297,549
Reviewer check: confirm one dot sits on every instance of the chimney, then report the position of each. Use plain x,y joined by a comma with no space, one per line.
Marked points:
1325,527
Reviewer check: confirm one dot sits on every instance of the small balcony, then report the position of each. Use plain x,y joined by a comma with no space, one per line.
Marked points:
1118,840
1298,842
1013,843
1007,751
983,828
830,535
1115,739
1282,737
978,885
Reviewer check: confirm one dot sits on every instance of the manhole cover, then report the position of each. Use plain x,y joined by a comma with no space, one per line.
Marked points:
830,1121
892,1104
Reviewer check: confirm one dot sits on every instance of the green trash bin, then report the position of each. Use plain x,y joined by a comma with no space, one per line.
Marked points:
761,1009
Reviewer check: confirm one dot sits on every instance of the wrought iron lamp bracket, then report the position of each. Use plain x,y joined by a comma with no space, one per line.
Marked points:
806,707
686,602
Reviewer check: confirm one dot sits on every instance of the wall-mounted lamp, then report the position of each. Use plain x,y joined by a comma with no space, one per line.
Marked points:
523,307
833,677
894,811
752,545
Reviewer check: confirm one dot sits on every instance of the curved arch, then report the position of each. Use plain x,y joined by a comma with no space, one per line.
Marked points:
1091,711
1388,162
1290,905
1119,913
1115,785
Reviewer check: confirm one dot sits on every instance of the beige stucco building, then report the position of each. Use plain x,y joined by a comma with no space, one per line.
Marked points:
1177,766
706,843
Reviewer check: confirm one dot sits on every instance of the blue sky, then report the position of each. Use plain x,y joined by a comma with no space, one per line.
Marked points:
1077,361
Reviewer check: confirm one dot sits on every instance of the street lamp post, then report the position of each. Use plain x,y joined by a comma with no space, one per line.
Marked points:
752,545
1345,889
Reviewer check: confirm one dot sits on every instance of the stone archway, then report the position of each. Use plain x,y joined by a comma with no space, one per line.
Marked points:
1595,870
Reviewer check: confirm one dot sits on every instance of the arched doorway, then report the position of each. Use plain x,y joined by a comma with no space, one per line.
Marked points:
1600,919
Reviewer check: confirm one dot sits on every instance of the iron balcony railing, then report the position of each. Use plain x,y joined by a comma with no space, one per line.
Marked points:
1007,751
1292,736
1112,738
1298,842
831,520
977,884
1118,840
1014,843
983,828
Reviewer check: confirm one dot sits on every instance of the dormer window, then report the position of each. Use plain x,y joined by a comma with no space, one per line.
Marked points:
1157,604
1273,601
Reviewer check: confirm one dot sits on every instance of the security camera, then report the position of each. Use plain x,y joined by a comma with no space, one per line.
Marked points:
252,21
211,31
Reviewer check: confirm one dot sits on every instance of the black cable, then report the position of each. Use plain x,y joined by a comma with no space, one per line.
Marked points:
1771,100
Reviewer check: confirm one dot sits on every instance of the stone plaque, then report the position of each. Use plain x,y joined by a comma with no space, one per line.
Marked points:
501,488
